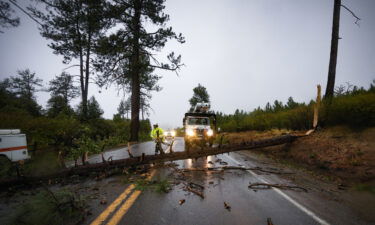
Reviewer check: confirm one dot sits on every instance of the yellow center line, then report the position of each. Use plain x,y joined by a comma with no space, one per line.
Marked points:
126,206
111,208
103,216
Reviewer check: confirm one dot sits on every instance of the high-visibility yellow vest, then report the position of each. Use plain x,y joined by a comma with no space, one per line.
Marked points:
155,131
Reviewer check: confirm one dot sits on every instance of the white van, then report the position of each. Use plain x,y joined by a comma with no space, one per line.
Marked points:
13,145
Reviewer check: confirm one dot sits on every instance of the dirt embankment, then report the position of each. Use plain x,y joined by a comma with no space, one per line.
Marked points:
348,155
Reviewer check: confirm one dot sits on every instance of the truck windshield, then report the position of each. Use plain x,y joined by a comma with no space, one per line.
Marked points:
198,121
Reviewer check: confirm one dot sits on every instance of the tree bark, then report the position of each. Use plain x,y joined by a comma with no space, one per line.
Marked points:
147,159
135,66
87,76
334,47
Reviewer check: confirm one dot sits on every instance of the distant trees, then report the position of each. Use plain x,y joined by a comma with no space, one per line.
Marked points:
19,92
200,94
57,105
94,110
26,84
124,108
73,27
63,86
62,90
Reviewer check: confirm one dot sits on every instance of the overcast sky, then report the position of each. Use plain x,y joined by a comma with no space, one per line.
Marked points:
245,52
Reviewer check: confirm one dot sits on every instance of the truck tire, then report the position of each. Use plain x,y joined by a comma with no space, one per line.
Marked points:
187,145
5,167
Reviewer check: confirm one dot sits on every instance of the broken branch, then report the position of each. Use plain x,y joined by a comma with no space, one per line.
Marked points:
353,14
280,186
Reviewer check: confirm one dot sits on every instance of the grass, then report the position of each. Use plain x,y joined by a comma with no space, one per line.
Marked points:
365,188
47,207
160,186
42,163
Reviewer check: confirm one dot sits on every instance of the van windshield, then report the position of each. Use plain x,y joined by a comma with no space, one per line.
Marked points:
198,121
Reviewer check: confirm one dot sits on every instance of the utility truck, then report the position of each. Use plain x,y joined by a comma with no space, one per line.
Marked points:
200,126
13,148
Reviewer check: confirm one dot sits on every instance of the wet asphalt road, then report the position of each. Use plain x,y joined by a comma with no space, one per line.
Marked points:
247,206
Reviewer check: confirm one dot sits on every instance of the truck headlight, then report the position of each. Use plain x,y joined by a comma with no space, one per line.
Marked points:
210,133
173,133
190,133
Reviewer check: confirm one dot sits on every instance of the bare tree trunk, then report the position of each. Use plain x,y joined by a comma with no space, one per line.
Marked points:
135,98
334,47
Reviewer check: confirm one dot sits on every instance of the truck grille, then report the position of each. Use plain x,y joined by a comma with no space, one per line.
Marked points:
199,132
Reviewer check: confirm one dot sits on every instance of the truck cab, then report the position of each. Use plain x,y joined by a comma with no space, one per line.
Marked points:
199,126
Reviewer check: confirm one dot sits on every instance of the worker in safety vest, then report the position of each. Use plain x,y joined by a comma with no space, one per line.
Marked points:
157,134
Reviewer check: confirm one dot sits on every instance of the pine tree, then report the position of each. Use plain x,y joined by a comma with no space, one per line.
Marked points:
200,94
73,27
25,84
129,53
63,86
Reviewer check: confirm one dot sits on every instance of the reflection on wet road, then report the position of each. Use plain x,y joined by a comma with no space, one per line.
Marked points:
246,206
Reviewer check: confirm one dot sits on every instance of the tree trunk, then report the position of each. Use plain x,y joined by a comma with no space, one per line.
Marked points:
82,75
87,76
334,47
147,159
135,69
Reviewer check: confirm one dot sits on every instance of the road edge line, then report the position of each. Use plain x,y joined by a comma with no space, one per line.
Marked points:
291,200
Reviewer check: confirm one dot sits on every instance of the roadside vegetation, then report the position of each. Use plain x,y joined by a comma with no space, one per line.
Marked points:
352,106
343,147
47,207
59,128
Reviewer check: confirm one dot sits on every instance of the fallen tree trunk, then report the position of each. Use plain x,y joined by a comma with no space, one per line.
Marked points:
147,159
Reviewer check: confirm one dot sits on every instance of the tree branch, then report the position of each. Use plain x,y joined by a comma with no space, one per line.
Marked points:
24,11
353,14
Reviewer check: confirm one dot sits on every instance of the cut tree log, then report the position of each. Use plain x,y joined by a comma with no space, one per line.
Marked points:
148,159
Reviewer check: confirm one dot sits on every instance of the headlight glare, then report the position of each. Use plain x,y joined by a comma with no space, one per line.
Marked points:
210,133
190,132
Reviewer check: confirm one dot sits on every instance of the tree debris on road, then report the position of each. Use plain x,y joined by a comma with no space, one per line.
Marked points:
227,206
219,169
280,186
148,159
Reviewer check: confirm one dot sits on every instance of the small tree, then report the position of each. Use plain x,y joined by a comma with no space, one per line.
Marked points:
93,110
57,105
26,84
200,94
63,86
124,108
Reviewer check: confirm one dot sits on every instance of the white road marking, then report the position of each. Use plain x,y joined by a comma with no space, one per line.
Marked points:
295,203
